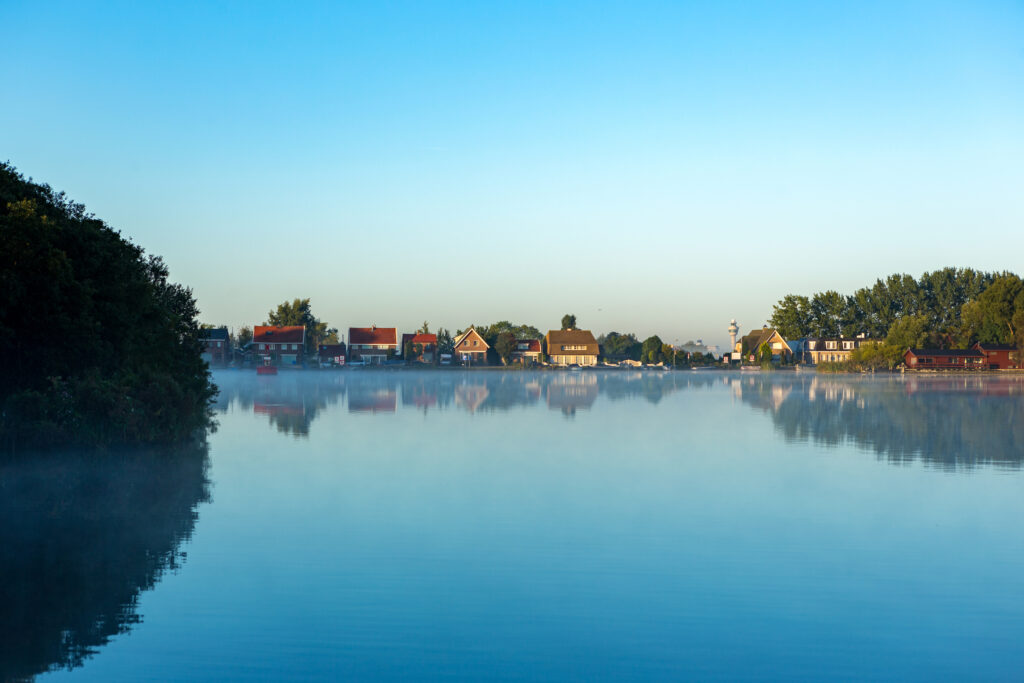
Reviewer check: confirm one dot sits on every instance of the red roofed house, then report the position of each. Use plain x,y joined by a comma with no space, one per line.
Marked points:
281,345
526,351
1000,356
944,359
372,344
427,343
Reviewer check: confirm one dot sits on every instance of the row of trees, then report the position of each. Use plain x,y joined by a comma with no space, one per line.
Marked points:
952,307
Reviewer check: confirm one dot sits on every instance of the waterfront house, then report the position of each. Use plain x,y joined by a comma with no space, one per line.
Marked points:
279,345
216,351
829,349
572,347
427,343
372,345
945,359
1000,356
331,354
470,347
526,351
749,345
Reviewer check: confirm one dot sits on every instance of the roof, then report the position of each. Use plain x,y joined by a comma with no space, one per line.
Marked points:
959,353
220,333
533,345
418,338
373,335
289,334
557,338
995,347
471,330
758,337
331,350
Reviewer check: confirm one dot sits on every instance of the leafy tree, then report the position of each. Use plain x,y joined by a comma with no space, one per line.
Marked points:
620,346
995,317
424,328
650,351
828,312
791,316
909,332
113,346
244,336
445,342
299,312
764,354
568,322
504,345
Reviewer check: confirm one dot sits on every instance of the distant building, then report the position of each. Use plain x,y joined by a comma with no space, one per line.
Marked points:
278,345
331,354
1000,356
471,348
829,349
945,359
216,351
749,346
372,345
526,351
427,342
572,347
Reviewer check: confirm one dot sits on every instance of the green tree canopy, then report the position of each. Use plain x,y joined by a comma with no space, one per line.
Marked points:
504,345
651,350
620,346
568,322
299,312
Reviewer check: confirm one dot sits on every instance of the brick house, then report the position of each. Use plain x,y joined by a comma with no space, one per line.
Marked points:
526,351
471,348
216,346
428,346
331,354
572,347
275,345
373,344
750,345
1000,356
945,359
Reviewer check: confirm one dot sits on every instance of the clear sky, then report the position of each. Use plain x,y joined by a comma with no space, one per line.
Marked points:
650,167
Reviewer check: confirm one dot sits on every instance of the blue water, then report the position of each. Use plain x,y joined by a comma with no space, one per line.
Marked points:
405,525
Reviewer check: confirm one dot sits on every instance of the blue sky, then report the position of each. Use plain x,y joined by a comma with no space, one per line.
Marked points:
650,167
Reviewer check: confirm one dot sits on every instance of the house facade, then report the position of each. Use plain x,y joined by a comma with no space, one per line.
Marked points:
275,345
331,354
372,345
216,346
572,347
945,359
526,351
427,344
748,346
829,349
1000,356
471,348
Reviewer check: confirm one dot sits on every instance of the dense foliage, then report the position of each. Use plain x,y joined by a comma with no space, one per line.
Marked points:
101,347
300,312
946,308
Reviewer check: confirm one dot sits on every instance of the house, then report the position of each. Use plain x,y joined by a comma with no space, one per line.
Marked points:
216,346
427,343
331,354
829,349
372,345
1000,356
749,345
945,359
526,351
275,345
572,347
471,348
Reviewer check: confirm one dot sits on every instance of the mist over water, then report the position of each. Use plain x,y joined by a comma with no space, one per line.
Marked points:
487,524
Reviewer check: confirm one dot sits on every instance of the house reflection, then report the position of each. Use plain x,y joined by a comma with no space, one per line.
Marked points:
569,392
81,536
289,401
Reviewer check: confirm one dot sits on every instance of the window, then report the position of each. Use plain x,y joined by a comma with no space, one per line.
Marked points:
811,345
830,345
847,344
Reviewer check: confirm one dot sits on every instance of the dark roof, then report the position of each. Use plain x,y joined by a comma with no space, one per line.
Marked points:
373,335
331,350
220,333
269,334
959,353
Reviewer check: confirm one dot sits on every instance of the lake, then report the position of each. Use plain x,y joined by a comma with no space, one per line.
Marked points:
406,525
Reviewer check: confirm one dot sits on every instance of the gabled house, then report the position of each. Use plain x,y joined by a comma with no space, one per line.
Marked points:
829,349
572,347
945,359
373,344
426,342
1000,356
749,345
275,345
471,348
526,351
216,351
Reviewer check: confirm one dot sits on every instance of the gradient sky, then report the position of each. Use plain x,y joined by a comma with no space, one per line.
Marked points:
650,167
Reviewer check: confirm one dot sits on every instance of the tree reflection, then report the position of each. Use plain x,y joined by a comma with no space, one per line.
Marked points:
949,422
81,536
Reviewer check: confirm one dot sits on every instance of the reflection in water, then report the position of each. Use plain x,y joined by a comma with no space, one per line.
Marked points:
950,422
945,420
81,535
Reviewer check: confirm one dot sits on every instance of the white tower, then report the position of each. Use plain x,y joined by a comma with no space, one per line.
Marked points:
733,329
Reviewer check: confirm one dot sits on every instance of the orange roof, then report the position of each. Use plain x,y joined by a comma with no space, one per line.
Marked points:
373,335
289,334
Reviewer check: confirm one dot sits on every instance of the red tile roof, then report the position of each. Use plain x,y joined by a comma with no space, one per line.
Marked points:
534,345
424,339
373,335
269,334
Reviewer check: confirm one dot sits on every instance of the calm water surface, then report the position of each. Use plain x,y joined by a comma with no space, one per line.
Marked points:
551,526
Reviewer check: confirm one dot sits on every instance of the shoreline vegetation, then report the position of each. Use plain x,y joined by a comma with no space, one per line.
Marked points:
104,349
